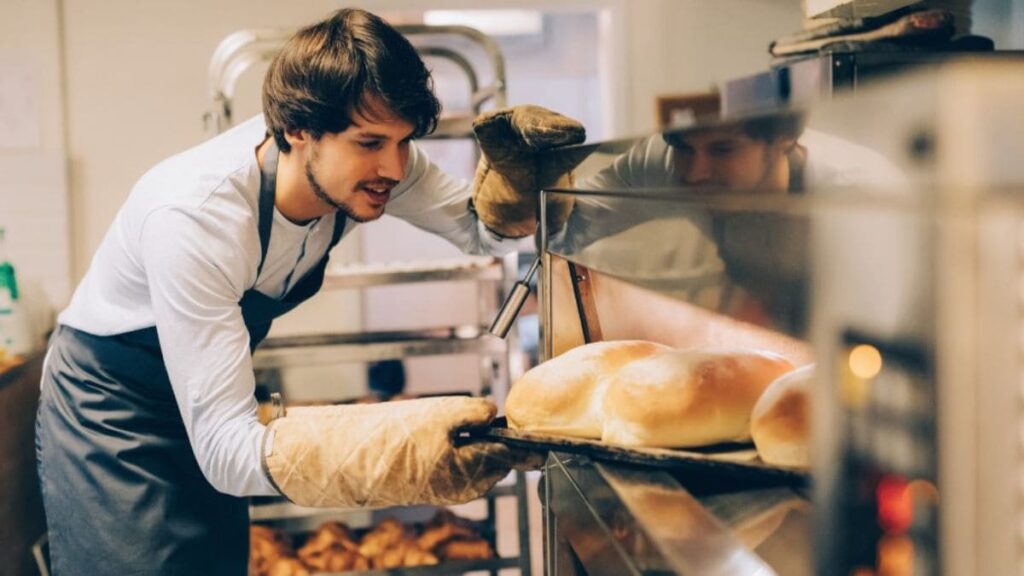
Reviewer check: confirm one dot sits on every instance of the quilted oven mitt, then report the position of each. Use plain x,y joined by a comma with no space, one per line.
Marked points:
387,454
514,167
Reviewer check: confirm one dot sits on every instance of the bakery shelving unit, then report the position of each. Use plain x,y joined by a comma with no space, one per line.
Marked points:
494,355
239,52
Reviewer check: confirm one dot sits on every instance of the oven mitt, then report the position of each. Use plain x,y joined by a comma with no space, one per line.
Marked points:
514,167
387,454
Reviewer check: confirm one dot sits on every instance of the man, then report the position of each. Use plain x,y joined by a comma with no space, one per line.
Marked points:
147,435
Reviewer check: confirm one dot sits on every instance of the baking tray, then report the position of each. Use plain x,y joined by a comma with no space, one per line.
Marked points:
718,465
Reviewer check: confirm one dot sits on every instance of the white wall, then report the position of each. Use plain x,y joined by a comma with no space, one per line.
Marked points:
690,45
33,183
137,72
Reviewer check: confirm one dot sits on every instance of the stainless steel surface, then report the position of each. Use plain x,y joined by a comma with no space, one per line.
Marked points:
505,319
364,275
620,520
726,465
509,311
926,272
373,346
282,509
443,569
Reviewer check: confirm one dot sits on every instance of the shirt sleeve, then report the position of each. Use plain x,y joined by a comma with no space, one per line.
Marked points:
431,200
647,164
197,267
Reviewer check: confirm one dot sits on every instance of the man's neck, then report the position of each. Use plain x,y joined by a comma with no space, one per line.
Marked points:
292,196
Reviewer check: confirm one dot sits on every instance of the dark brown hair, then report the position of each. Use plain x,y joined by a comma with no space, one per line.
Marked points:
342,65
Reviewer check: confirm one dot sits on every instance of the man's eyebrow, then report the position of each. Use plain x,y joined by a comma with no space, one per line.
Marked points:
377,135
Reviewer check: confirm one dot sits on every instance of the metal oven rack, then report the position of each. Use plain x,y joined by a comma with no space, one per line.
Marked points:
244,49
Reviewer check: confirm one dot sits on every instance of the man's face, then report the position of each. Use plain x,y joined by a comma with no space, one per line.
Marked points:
725,158
354,170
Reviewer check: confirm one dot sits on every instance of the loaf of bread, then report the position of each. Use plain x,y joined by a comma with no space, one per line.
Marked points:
563,396
780,424
688,398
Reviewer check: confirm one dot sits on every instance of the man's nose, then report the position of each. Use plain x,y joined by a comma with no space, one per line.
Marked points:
699,171
392,164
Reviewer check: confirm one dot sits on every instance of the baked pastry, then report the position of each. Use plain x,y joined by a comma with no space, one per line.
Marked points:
287,567
435,535
331,541
564,395
688,398
344,560
403,554
386,534
780,423
266,546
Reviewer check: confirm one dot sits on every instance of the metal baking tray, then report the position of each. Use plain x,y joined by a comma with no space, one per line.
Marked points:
442,569
735,463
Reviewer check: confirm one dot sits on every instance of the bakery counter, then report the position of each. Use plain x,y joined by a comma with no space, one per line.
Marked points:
605,518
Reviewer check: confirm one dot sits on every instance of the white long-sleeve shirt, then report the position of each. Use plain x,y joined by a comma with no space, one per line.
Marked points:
185,247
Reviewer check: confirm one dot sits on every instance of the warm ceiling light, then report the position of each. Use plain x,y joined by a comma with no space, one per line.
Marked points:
490,22
865,361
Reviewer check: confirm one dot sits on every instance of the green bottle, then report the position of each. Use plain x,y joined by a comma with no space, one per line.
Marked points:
15,337
8,283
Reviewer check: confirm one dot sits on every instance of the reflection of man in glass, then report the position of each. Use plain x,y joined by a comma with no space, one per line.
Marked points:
757,155
768,153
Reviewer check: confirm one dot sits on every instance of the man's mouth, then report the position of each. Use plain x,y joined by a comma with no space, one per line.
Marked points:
378,193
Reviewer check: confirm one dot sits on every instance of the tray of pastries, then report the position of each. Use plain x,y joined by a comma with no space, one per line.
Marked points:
446,541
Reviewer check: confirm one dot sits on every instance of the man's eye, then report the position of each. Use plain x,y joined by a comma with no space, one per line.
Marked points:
722,150
370,144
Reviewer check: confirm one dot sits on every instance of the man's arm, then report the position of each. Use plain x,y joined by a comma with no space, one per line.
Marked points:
197,271
512,170
434,201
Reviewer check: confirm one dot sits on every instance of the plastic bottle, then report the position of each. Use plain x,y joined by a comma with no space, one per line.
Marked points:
15,332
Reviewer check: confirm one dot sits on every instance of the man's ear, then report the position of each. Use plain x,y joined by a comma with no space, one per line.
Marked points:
297,138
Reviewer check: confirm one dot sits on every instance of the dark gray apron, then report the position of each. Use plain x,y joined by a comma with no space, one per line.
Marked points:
122,489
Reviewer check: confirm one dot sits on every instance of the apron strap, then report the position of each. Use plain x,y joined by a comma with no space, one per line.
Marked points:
340,221
268,187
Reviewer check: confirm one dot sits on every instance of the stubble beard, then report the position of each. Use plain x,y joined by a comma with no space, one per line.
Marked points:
321,194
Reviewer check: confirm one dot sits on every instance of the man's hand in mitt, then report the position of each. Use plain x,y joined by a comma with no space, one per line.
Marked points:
388,454
514,168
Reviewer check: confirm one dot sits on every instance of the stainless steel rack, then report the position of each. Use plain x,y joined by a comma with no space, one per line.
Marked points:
494,354
242,50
